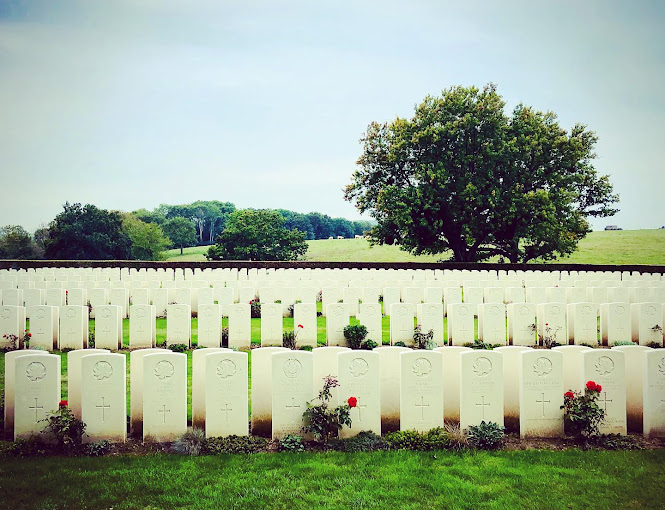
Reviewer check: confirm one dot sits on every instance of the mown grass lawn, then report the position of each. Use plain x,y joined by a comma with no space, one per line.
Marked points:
403,480
603,247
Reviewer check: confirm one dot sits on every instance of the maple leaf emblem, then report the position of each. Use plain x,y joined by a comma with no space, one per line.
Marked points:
226,368
163,370
358,367
291,368
542,367
35,371
422,367
661,366
482,367
604,365
102,370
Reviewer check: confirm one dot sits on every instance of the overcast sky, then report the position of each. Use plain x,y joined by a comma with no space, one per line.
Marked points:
132,103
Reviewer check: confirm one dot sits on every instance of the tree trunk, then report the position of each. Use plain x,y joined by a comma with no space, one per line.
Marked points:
181,250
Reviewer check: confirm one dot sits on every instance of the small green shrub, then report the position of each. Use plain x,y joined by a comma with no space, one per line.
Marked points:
581,413
457,439
291,443
305,348
435,439
65,429
399,344
486,436
225,337
613,442
191,442
364,441
623,342
255,308
423,340
324,423
289,339
368,344
178,347
355,335
91,339
586,344
98,448
235,444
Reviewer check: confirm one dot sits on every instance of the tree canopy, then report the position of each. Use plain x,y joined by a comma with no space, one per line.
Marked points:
257,235
462,175
180,231
148,239
87,233
16,243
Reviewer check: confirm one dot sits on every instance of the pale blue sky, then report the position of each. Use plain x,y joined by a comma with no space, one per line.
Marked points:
133,103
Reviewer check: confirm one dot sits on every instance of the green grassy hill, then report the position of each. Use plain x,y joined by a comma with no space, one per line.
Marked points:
604,247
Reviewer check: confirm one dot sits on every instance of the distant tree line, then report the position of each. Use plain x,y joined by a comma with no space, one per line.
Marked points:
88,232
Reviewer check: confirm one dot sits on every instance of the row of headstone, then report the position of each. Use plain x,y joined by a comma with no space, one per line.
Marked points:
394,387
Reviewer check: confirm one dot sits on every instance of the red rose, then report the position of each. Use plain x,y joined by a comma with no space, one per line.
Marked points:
301,326
353,401
591,386
569,394
598,388
63,403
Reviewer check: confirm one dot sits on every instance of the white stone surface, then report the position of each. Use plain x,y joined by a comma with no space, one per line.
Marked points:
73,327
226,402
261,381
56,297
647,323
32,298
634,370
572,365
360,377
615,323
421,390
120,297
402,323
199,383
430,317
74,377
77,297
481,388
12,322
511,355
179,324
607,368
551,321
337,318
164,396
271,324
43,326
390,369
451,381
104,396
291,390
582,323
541,393
36,392
136,388
160,300
209,324
324,363
461,323
521,318
492,323
654,393
304,314
370,316
10,371
142,326
240,328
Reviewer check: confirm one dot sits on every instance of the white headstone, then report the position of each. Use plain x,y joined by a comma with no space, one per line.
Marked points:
104,396
541,393
209,325
654,393
391,296
451,381
164,396
324,363
291,390
136,388
492,323
226,403
430,317
271,324
36,392
74,377
239,325
521,319
401,323
551,320
261,380
582,323
634,370
56,297
511,384
359,377
461,323
389,363
421,390
43,326
199,383
12,322
108,327
120,297
98,297
178,324
481,388
337,318
647,323
140,297
142,326
160,300
572,365
607,368
304,314
10,371
77,297
32,297
73,327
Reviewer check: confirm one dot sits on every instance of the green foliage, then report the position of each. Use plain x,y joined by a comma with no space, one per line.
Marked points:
257,235
98,448
289,339
364,441
180,231
320,421
613,442
192,442
255,308
423,340
435,439
581,413
623,342
225,337
65,429
457,438
291,443
16,243
400,344
235,444
32,446
87,233
464,176
355,335
368,344
479,344
486,436
178,347
148,240
655,345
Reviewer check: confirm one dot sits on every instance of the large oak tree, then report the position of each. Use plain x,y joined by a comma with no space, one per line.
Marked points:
462,175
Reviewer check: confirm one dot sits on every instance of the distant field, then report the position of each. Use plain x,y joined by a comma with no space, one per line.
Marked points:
605,247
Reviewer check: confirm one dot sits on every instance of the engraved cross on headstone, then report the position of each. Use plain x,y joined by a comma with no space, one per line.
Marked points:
543,401
36,408
103,407
164,410
604,401
107,329
226,411
360,406
483,404
498,334
588,329
422,406
293,405
463,330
